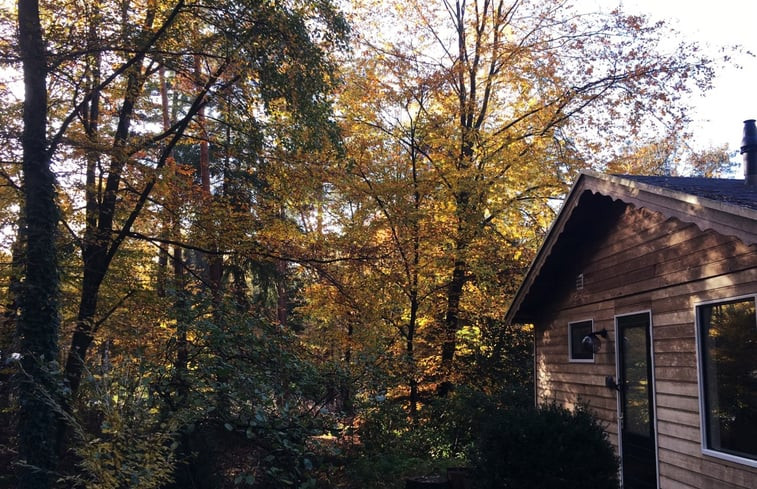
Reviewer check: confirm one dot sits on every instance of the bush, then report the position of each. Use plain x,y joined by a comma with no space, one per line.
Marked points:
121,442
394,447
544,448
505,440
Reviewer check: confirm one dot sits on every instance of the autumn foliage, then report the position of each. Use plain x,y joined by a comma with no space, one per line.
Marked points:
277,218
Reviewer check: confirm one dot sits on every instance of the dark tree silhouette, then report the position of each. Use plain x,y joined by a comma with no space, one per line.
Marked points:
37,326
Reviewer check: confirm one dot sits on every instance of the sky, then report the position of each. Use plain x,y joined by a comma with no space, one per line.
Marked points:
719,114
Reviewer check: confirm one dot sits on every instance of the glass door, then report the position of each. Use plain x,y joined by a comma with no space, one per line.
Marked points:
637,424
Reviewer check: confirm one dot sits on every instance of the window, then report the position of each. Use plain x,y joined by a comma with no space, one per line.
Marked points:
727,339
578,331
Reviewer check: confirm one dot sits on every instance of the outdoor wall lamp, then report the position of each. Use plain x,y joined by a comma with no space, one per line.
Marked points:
591,343
611,384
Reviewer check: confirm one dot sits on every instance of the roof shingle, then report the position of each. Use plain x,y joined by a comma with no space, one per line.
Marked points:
728,191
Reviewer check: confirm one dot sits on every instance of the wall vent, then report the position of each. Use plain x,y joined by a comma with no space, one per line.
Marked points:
580,281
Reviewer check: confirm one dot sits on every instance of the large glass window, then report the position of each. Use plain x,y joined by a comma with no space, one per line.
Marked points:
578,331
728,355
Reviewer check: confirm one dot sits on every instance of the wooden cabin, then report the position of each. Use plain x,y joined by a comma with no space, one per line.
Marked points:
643,305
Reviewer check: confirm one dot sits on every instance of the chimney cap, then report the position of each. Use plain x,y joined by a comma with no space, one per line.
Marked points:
749,141
749,150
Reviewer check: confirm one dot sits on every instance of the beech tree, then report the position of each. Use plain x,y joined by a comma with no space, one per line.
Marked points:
242,247
259,56
512,98
714,162
244,77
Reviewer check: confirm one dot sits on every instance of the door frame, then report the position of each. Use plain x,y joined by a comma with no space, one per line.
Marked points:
653,407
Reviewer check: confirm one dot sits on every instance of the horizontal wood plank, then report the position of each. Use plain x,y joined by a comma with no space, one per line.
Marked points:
679,417
729,474
648,262
678,402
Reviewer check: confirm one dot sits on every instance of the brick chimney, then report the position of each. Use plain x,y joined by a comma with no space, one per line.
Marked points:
749,150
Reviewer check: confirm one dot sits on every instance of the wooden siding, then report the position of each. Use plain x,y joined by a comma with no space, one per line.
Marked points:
666,266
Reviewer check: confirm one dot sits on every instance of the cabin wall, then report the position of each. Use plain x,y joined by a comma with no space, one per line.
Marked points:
665,266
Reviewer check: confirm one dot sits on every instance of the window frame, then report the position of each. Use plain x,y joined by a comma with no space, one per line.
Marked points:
703,421
570,341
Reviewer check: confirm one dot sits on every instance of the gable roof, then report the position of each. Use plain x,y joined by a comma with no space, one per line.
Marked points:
727,191
726,206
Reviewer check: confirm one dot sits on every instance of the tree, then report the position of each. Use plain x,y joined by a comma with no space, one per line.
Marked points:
672,155
244,260
499,104
714,162
252,79
262,57
655,158
392,184
104,235
38,321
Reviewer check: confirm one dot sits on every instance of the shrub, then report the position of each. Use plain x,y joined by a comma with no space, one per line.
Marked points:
544,448
507,442
394,447
121,442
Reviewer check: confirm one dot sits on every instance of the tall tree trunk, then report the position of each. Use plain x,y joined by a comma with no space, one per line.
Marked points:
204,147
165,217
99,246
38,322
452,316
282,294
213,261
410,351
181,305
345,388
414,271
96,252
472,108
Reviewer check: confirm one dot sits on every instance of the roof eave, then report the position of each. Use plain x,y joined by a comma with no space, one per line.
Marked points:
724,218
571,201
